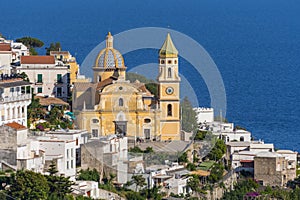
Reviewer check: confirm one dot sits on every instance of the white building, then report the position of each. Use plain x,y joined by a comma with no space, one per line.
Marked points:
5,58
79,136
50,77
19,152
172,178
62,152
86,189
291,156
204,115
18,49
261,146
15,96
245,158
237,135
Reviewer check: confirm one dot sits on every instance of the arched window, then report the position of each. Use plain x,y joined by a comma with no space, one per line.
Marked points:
242,139
121,102
169,110
169,73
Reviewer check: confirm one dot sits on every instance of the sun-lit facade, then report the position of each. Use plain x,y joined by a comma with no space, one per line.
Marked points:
113,105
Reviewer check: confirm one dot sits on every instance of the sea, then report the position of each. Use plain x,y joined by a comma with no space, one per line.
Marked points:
255,45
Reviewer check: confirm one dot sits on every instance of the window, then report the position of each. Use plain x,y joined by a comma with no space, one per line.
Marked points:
147,120
23,89
121,102
39,90
72,164
67,164
12,89
175,61
59,78
59,91
169,110
67,153
169,61
242,139
95,132
71,153
162,62
95,121
169,73
40,78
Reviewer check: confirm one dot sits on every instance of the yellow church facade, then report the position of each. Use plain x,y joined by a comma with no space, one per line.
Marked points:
113,105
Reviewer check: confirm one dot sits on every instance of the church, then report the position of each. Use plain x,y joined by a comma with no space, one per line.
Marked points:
110,104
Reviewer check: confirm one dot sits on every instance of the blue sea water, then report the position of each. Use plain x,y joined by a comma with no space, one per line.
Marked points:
254,43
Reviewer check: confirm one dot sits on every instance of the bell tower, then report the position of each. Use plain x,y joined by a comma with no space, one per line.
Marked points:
169,91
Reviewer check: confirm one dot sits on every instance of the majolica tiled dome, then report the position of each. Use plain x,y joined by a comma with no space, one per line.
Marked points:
109,57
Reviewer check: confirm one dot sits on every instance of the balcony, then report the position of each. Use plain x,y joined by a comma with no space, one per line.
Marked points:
39,83
21,97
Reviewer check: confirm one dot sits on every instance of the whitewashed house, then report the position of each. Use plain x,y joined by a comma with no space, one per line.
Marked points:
15,96
62,152
204,115
6,56
79,136
172,178
19,152
50,77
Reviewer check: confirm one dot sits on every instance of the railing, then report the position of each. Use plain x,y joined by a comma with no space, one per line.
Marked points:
15,98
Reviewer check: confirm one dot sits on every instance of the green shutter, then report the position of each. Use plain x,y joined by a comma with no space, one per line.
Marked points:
40,78
59,79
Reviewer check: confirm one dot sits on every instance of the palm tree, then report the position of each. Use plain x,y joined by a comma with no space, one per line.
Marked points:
138,180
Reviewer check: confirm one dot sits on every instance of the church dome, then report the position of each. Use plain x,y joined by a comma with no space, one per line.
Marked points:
109,57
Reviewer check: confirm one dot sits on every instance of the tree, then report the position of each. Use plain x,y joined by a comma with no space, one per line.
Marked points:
24,76
183,158
217,151
6,179
59,186
191,166
138,180
188,116
89,175
200,135
216,173
135,149
53,47
194,184
29,185
153,88
31,42
35,110
55,115
32,51
149,150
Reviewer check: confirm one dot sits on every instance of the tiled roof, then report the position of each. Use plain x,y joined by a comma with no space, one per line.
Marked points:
46,101
13,83
104,83
16,126
5,47
37,60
